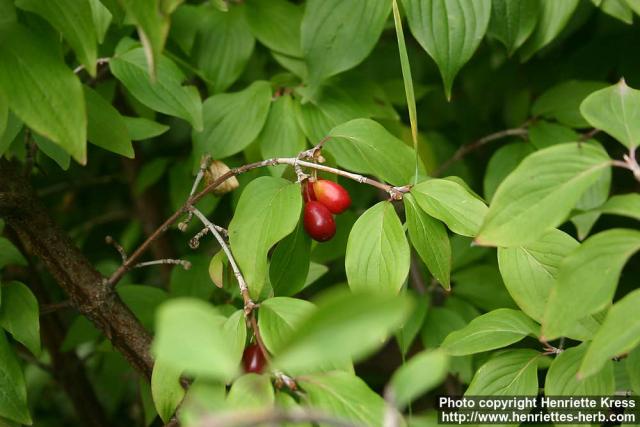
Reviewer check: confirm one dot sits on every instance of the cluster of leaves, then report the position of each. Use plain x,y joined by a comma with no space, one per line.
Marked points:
245,81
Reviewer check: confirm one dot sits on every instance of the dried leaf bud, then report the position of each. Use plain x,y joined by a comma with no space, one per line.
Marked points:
215,170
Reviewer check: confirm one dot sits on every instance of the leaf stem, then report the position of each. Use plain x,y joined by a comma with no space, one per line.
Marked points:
408,83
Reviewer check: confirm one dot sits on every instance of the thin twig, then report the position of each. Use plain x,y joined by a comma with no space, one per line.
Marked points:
26,355
630,162
53,307
81,67
185,264
87,182
468,148
195,240
111,241
105,218
204,164
249,305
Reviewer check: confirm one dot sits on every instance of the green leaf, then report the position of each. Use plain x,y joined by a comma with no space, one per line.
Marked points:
615,110
53,151
345,396
223,46
364,146
540,193
140,128
232,121
439,323
281,135
150,173
153,26
268,210
633,369
452,204
193,282
619,9
410,381
562,377
148,407
377,257
502,163
562,102
345,325
482,286
7,14
507,373
101,19
9,254
251,391
587,279
623,204
512,22
166,390
20,315
595,196
633,4
496,329
80,331
429,238
290,263
166,93
449,30
235,331
42,91
105,126
276,24
337,104
530,271
202,396
74,19
619,333
12,129
279,317
554,16
143,302
337,35
202,351
186,21
409,331
543,134
13,399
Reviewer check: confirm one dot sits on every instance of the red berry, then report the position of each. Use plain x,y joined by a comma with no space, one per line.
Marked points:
307,191
318,221
253,359
332,195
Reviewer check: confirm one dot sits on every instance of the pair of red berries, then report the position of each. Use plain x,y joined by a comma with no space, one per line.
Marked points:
323,198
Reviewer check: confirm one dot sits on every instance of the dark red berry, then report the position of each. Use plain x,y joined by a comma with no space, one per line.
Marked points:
253,359
332,195
318,221
307,191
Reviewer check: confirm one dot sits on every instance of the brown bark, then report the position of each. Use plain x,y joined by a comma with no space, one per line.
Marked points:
87,289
